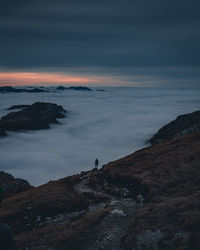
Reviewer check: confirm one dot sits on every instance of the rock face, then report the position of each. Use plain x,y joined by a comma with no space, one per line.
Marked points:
147,200
13,185
31,117
74,88
184,124
9,89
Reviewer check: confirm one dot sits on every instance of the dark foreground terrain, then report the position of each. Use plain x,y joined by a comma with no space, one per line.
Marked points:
147,200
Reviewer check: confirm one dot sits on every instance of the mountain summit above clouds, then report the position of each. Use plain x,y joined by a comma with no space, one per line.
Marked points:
31,117
147,200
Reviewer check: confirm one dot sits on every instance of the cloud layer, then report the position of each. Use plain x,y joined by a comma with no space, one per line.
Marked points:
104,125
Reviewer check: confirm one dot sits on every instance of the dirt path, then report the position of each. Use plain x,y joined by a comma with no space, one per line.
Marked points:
107,234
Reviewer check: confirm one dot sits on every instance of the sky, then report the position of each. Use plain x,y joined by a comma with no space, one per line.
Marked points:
100,42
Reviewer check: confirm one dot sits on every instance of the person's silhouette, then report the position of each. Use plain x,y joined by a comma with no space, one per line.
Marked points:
96,163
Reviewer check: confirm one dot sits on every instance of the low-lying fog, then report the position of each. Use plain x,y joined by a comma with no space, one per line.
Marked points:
105,125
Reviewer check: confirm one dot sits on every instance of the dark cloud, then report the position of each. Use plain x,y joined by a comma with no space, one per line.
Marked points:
107,34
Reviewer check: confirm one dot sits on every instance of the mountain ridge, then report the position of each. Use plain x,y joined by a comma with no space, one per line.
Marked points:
147,200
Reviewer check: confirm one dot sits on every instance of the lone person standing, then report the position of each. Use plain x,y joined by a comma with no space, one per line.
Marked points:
96,163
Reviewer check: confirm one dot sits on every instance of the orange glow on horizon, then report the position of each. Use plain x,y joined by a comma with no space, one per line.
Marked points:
29,78
46,79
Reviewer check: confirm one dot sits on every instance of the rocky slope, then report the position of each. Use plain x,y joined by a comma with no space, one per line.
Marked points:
147,200
31,117
182,125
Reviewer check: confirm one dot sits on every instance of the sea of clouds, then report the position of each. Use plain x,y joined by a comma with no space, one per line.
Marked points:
105,125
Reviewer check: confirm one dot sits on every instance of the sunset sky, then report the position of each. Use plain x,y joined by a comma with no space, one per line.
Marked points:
100,43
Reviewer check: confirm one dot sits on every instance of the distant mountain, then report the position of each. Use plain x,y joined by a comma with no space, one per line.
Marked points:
37,90
74,88
182,125
101,90
61,88
11,89
8,89
31,117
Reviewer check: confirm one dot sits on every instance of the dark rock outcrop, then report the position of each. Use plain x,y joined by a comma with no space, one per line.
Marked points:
8,89
147,200
74,88
184,124
32,117
13,185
